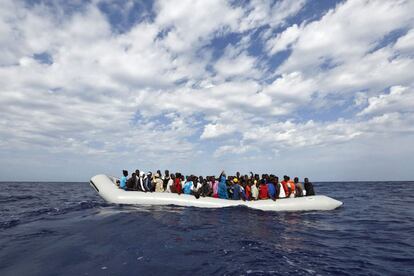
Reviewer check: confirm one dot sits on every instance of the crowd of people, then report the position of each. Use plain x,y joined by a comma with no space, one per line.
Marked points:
238,187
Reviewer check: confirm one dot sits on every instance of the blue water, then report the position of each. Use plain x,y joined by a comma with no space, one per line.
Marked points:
66,229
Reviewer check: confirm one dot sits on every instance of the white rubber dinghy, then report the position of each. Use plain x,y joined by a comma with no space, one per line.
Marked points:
109,191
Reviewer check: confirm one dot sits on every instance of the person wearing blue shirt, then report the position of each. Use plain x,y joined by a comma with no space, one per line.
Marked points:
236,192
123,181
271,190
188,186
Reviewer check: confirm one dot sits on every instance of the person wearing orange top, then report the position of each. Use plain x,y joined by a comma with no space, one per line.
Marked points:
292,187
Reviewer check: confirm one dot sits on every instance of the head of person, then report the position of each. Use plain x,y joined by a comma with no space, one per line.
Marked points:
125,172
235,180
296,180
167,173
159,173
133,175
137,173
306,180
285,178
276,179
172,176
238,174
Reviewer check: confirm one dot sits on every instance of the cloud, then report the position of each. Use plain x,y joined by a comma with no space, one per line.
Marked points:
405,44
400,99
283,40
346,33
185,78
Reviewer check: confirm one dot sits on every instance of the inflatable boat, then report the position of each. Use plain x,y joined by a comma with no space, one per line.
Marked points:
106,187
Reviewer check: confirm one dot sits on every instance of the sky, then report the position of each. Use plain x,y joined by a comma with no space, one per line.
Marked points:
319,89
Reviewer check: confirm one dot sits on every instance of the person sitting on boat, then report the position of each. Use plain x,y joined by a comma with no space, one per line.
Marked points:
214,184
168,182
188,186
246,187
131,182
138,185
285,186
298,187
263,191
236,189
309,188
222,187
148,182
177,183
205,189
158,183
291,187
165,180
172,186
271,189
195,190
123,180
254,189
141,181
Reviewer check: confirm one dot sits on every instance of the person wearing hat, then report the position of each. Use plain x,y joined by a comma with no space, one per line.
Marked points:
238,192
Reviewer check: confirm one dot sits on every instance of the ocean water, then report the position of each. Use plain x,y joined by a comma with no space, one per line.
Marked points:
67,229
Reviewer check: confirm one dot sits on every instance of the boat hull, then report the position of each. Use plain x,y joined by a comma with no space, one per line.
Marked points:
106,188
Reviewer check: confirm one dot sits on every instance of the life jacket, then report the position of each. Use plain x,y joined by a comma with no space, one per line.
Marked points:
263,192
292,186
285,187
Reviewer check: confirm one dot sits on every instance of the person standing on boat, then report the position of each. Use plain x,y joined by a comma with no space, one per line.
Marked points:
123,180
309,188
222,187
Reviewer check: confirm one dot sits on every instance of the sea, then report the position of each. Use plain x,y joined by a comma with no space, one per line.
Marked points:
67,229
